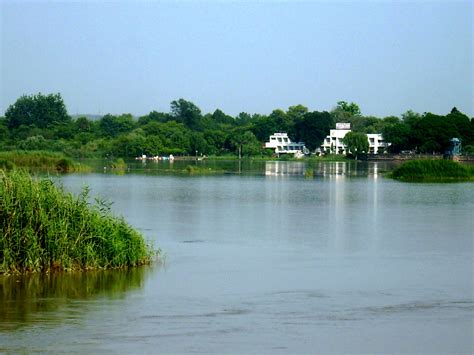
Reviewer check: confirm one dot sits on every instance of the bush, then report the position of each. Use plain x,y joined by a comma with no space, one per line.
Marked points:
41,160
64,165
432,170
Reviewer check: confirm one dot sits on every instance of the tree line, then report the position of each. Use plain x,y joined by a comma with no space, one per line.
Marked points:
41,122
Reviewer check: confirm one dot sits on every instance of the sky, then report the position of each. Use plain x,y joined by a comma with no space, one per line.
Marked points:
240,56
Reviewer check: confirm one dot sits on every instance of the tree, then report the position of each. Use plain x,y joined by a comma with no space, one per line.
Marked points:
463,125
263,127
129,145
42,111
216,140
3,132
245,143
250,144
186,112
297,111
350,108
411,118
220,117
312,128
281,121
112,126
356,143
175,137
243,119
154,116
398,134
198,144
83,124
432,133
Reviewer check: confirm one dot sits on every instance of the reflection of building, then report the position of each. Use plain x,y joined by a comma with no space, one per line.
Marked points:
333,143
284,168
282,144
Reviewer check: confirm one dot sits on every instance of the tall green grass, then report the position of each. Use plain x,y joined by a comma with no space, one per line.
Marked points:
433,170
43,228
40,160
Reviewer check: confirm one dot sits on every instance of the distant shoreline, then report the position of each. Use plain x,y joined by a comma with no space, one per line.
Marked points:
404,157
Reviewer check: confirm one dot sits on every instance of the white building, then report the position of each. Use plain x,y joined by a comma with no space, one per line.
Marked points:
333,143
282,144
377,144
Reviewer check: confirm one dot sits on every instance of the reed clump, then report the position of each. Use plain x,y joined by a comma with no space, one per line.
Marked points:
201,170
430,170
42,160
43,228
119,164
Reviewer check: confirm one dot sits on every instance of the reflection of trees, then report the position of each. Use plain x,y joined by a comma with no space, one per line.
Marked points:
23,296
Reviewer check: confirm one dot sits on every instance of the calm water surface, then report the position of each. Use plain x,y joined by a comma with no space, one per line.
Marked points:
266,262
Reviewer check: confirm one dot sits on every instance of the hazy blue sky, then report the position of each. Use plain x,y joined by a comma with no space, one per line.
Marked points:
125,56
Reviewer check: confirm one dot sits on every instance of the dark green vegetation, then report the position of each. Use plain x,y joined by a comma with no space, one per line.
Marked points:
429,133
439,170
42,228
356,143
41,122
42,160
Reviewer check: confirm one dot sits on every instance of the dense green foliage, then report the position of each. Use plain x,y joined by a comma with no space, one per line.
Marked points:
428,133
41,111
433,170
356,143
41,122
42,228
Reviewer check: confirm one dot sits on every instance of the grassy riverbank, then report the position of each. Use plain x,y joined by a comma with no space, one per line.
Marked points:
433,171
43,228
41,160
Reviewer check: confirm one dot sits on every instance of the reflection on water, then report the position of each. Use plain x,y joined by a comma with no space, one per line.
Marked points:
327,169
23,298
284,168
251,167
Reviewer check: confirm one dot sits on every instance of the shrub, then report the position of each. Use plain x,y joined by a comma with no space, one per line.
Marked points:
432,170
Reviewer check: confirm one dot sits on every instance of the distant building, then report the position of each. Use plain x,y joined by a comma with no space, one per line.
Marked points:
282,144
333,142
376,143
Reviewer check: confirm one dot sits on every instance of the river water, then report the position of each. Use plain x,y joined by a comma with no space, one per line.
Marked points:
267,261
